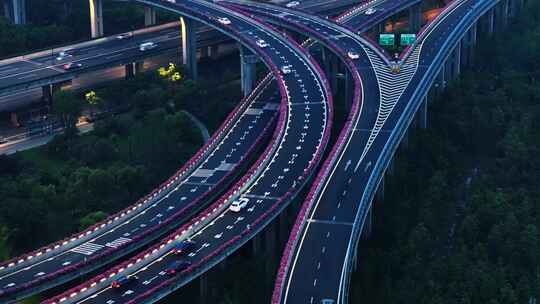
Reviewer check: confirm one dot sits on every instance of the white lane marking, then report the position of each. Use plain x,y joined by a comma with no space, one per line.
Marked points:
119,241
87,248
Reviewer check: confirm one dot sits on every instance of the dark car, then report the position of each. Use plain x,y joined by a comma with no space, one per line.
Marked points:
72,66
124,281
176,267
183,247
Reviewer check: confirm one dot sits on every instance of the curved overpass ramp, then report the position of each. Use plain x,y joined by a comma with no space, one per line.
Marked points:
300,138
322,249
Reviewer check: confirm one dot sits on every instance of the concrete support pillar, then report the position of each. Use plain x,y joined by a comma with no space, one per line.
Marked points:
15,11
248,62
415,18
441,77
46,96
213,51
326,61
334,70
96,18
189,46
203,289
7,10
139,65
133,69
505,12
464,55
471,43
130,70
490,26
149,16
448,70
19,11
423,113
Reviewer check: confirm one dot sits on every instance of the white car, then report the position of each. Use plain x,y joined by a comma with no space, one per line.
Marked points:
286,69
224,20
370,11
124,36
292,4
147,46
238,205
63,55
353,55
261,43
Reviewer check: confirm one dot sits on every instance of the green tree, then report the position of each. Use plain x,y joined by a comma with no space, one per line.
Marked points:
68,108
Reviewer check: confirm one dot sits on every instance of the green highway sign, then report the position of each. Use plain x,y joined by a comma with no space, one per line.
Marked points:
386,39
407,39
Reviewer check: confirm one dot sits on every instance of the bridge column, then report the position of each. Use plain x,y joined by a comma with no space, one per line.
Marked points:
133,69
129,70
7,10
96,18
423,113
490,22
501,15
189,46
47,93
415,18
15,11
149,16
213,51
441,79
505,12
248,64
334,70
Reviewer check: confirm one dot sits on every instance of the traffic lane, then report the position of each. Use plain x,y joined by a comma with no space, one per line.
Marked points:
153,274
16,67
22,76
318,104
94,55
317,234
352,199
314,278
362,21
346,215
227,225
181,196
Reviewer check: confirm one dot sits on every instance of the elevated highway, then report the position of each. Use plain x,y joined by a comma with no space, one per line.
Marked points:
282,170
322,249
153,215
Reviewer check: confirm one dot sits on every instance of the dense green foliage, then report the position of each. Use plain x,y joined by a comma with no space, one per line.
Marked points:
74,181
461,218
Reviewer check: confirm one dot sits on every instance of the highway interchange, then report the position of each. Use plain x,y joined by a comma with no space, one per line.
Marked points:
327,233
